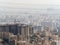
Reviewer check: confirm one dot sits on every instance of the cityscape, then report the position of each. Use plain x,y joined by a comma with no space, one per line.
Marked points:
47,33
29,22
31,27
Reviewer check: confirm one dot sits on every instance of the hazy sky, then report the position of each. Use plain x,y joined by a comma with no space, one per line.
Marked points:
31,1
16,7
28,3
